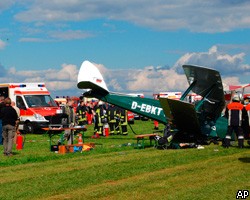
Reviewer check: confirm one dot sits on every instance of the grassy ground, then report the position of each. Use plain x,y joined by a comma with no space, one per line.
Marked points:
116,170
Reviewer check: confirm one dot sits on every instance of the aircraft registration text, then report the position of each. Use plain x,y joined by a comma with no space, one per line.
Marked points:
146,108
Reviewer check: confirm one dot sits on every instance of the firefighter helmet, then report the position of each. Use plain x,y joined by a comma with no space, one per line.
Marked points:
236,98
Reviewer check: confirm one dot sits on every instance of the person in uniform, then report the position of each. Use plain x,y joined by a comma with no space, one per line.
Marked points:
81,113
123,121
113,119
246,122
100,118
235,112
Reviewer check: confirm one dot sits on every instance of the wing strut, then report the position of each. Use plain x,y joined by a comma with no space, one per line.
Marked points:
208,92
188,90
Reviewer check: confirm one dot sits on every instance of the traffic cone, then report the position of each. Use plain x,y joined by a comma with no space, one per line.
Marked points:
62,149
80,139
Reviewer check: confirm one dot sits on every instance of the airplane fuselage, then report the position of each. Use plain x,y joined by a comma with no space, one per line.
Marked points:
147,107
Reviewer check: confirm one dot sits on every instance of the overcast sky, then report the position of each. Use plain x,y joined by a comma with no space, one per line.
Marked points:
140,46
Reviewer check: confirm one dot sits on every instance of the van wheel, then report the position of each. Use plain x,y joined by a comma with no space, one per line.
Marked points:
29,128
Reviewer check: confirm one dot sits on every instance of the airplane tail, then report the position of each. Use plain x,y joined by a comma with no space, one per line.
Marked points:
89,77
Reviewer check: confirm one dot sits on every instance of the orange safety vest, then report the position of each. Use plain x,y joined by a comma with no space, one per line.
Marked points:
248,112
235,113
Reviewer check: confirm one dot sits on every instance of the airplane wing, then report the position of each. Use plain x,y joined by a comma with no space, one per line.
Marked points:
205,79
190,118
182,114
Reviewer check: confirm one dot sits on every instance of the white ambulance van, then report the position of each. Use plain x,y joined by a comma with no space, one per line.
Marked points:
37,107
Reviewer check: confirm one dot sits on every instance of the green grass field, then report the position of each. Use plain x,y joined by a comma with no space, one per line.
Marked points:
116,170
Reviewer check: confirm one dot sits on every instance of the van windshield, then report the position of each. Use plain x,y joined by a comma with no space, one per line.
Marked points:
39,101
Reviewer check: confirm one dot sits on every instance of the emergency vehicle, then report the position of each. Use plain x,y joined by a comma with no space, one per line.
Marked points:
37,108
170,95
191,97
60,100
130,117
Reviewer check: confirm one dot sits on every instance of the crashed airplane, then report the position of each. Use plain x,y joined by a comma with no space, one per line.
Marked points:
196,122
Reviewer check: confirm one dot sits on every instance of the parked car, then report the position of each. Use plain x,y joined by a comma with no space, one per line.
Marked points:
136,116
130,117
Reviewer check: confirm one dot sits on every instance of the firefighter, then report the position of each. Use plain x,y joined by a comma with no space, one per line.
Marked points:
235,112
123,121
113,119
100,118
81,113
156,123
246,128
90,112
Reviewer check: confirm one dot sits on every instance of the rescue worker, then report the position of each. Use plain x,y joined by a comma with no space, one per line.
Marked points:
113,120
100,118
123,121
246,128
81,113
89,113
156,123
235,112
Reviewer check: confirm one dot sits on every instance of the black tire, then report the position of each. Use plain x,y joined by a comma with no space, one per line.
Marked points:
29,128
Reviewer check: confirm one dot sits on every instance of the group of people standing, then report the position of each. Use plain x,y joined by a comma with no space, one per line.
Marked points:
103,115
238,116
9,118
